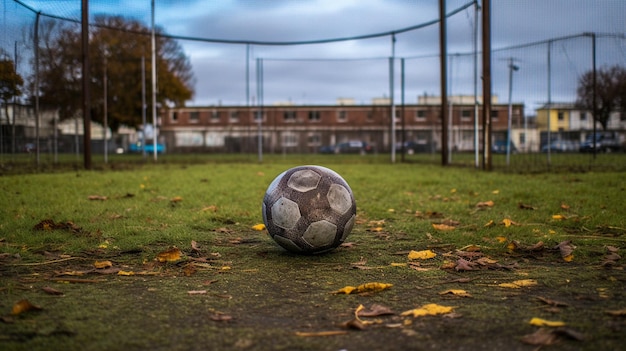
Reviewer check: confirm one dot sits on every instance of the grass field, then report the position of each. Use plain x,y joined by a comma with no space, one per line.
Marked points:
508,248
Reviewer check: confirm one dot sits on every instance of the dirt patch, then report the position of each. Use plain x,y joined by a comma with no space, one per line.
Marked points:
252,295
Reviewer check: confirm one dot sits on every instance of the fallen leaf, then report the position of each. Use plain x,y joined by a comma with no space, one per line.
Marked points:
221,317
195,246
485,204
541,336
552,302
566,248
24,306
443,227
374,311
421,255
176,199
525,207
170,255
211,208
51,291
102,264
97,197
354,323
617,313
196,292
456,292
489,224
363,288
259,227
430,309
322,333
126,273
538,322
464,265
501,239
558,217
519,284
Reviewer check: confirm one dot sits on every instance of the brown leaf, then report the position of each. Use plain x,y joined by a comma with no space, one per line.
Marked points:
522,206
194,246
552,302
353,324
97,198
542,336
485,204
464,265
566,248
374,311
24,306
221,317
51,291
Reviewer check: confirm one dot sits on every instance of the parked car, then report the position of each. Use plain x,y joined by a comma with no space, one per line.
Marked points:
348,147
604,142
137,148
411,147
499,147
560,146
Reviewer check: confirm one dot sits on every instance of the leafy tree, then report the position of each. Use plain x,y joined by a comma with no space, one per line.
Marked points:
118,44
10,85
610,92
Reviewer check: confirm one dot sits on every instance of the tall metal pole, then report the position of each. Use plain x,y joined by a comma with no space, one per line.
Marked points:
486,115
512,67
154,87
86,91
403,136
443,52
259,87
549,107
106,112
475,44
391,97
450,110
594,89
143,106
37,86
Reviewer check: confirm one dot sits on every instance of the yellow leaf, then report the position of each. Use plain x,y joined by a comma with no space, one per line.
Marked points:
495,192
558,217
24,306
430,309
259,227
126,273
489,224
391,210
170,255
501,239
104,245
568,258
375,229
485,204
443,227
176,199
103,264
456,292
538,322
367,287
421,255
519,284
507,222
398,264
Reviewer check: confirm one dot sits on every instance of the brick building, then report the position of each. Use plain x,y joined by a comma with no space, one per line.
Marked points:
304,129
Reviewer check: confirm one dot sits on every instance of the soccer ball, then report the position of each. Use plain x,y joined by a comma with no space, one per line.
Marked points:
309,209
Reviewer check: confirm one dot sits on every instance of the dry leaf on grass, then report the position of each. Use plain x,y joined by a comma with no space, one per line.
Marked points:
456,292
24,306
538,322
430,309
259,227
421,255
519,284
169,255
363,288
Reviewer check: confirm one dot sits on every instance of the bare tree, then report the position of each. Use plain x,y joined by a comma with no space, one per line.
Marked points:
610,92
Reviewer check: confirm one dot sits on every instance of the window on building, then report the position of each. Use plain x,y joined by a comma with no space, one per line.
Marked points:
466,114
290,140
314,116
494,114
420,115
289,116
174,117
258,116
583,116
370,116
342,116
314,139
560,116
194,117
215,116
522,138
234,116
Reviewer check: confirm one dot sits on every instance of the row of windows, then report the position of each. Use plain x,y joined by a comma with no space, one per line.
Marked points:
313,116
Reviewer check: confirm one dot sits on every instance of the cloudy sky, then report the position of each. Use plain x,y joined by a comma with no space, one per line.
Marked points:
359,69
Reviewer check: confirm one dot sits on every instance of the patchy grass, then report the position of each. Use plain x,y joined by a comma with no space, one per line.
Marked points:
238,290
